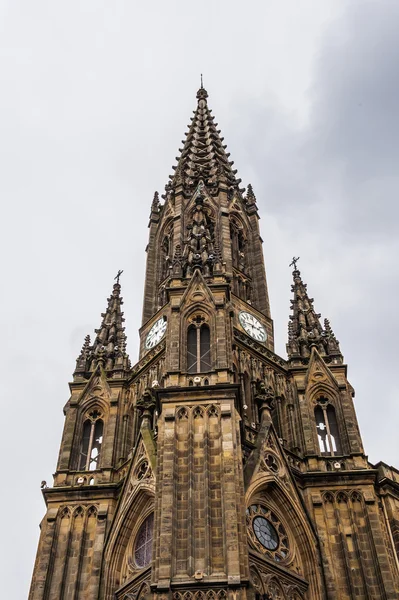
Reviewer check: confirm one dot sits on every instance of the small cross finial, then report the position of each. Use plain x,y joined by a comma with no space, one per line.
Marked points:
202,86
294,261
119,273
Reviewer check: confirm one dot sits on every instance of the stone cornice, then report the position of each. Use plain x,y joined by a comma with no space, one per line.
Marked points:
89,493
331,478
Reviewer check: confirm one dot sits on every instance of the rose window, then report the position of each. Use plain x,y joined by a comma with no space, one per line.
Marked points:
267,533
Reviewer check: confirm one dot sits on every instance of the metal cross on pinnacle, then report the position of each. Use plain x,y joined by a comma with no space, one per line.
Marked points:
294,261
119,273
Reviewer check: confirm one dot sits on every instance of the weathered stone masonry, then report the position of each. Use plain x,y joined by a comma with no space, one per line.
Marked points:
214,469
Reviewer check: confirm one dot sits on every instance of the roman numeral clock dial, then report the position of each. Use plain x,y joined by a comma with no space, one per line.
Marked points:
252,326
156,333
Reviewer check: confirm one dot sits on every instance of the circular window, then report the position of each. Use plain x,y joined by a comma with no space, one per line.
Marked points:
265,532
143,546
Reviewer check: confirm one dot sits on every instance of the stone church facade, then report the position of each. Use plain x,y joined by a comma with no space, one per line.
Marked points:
214,469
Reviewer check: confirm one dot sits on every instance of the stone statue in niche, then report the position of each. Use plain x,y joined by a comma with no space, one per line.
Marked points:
199,251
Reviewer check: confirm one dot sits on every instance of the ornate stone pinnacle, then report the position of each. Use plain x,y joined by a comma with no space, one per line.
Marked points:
328,328
85,348
82,360
250,197
146,404
332,342
155,203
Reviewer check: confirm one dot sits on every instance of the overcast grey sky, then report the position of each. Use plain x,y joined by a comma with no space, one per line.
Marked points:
95,98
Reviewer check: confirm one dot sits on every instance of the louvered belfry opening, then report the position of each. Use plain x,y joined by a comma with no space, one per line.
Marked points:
205,349
85,445
192,349
198,349
92,438
327,430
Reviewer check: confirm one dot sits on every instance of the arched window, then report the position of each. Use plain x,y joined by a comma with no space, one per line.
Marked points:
92,439
333,427
327,428
192,349
143,545
198,349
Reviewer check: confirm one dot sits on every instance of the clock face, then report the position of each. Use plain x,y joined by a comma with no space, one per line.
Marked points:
252,326
266,533
156,333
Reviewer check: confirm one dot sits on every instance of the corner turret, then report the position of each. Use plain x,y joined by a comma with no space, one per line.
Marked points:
109,346
304,328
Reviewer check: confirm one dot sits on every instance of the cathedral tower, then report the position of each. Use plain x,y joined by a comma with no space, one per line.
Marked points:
214,469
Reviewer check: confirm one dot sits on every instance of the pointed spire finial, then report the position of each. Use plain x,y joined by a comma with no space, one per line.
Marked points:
294,261
119,273
202,94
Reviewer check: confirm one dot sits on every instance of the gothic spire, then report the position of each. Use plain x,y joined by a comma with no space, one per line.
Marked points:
109,346
203,155
304,328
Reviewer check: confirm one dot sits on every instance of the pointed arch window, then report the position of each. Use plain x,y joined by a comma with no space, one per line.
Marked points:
143,545
198,348
327,428
92,439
